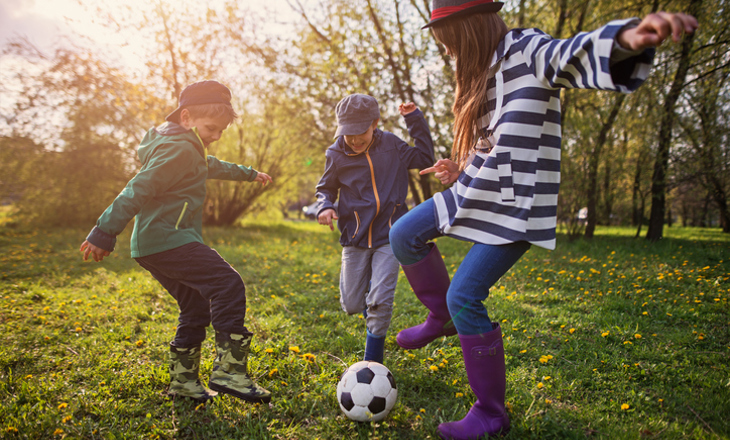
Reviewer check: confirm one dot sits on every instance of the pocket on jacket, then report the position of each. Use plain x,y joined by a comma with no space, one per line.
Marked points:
181,216
392,214
506,180
357,225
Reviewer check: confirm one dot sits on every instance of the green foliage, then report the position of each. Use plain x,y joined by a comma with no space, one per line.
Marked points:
612,338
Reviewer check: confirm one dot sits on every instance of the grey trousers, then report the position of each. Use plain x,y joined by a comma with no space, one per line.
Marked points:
377,267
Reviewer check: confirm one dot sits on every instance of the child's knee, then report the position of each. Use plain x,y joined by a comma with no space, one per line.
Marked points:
352,306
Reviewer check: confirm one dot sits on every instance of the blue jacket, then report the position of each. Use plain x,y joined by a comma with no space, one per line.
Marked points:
373,185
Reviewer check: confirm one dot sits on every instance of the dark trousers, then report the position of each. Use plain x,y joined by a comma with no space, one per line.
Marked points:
207,289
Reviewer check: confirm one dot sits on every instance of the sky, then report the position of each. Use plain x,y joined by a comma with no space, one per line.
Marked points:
44,21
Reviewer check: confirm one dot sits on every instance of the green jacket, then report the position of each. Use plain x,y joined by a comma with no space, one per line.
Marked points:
166,196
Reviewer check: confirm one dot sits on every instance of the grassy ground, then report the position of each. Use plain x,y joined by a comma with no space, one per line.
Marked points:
613,338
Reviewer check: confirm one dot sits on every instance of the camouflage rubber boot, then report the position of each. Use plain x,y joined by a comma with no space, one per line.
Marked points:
230,375
184,367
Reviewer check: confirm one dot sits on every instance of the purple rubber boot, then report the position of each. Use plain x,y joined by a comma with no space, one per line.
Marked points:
484,362
429,280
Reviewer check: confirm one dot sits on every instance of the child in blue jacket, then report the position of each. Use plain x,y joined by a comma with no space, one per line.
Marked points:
369,169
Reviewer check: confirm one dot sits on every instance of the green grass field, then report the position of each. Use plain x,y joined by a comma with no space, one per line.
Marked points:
613,338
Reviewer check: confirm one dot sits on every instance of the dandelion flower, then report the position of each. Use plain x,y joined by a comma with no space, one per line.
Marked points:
459,395
540,385
58,432
12,429
433,368
67,419
572,330
269,350
139,343
637,336
422,410
548,401
294,348
624,406
62,405
273,371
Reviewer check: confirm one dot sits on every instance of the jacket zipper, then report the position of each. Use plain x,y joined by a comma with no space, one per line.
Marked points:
182,213
205,149
357,227
377,199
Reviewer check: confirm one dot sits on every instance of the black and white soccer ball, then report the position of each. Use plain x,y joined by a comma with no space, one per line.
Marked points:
367,391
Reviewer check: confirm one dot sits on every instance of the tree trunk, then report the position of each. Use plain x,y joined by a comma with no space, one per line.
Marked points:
659,179
593,166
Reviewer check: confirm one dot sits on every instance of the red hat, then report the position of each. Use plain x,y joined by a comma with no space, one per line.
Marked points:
443,9
203,92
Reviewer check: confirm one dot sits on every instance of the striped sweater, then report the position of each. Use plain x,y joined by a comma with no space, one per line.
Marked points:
509,190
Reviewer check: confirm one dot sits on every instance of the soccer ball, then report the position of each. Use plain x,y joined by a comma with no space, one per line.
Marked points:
366,392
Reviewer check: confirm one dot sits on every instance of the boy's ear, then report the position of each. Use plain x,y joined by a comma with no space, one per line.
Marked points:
185,117
374,125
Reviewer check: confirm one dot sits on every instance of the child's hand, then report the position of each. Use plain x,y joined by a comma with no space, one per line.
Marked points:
655,28
326,217
406,108
447,171
96,252
263,178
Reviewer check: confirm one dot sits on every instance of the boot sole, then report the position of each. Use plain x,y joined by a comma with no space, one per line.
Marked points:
221,389
195,399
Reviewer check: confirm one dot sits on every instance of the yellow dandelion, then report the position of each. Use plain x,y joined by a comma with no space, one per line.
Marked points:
139,343
540,385
628,342
58,432
78,329
547,378
548,401
269,350
422,411
294,348
273,371
572,330
523,351
12,429
637,336
309,357
459,395
30,376
624,406
433,368
62,405
67,419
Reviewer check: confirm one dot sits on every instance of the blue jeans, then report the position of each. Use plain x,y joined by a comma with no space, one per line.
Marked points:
482,267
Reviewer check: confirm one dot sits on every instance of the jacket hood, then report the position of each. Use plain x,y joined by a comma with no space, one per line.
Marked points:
164,133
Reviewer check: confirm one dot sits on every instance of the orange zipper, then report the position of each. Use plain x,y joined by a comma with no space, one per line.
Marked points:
377,199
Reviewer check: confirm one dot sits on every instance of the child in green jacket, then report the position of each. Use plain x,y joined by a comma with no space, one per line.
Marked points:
165,199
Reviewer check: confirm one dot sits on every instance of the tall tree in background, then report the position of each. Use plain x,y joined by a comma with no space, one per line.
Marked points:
660,177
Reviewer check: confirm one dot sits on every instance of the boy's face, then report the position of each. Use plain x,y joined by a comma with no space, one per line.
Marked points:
361,142
209,129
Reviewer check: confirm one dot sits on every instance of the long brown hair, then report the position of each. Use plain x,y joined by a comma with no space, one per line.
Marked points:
472,41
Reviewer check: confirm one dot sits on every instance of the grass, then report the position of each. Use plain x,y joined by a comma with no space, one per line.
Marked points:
613,338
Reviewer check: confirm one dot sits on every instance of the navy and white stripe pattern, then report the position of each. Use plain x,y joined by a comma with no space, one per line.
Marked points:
511,193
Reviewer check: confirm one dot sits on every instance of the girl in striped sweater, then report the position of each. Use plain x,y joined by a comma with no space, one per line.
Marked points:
505,171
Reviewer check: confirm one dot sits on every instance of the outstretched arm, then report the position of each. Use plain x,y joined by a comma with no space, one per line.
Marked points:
655,28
